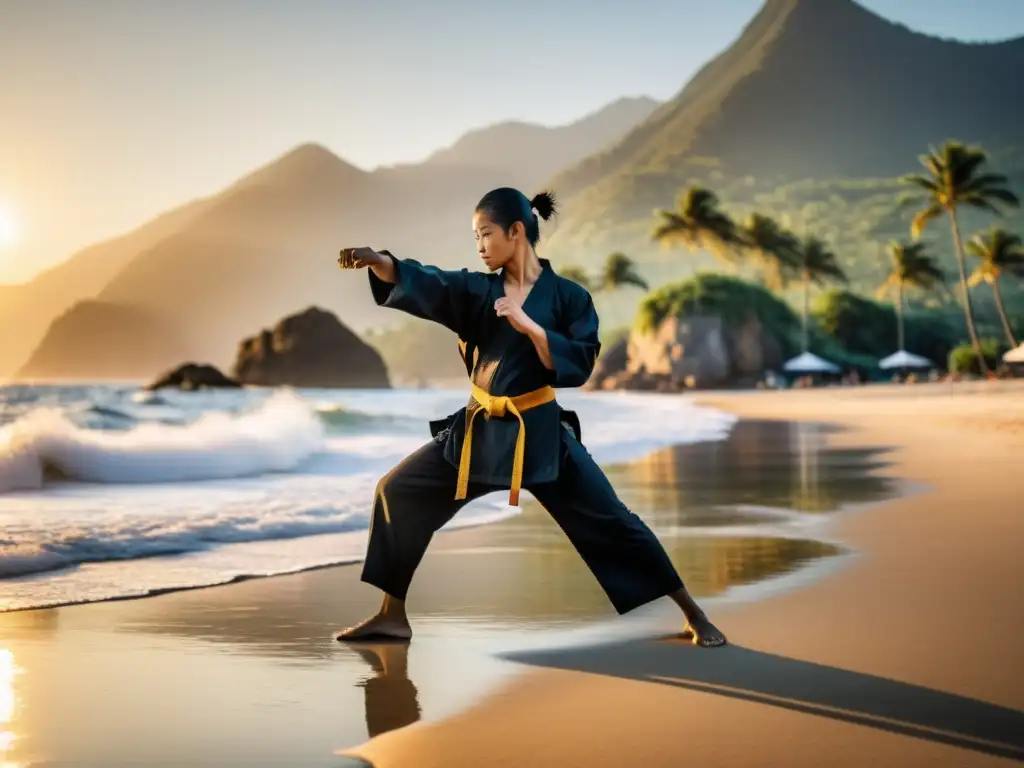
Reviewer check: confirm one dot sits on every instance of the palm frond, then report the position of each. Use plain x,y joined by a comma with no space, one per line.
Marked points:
986,180
923,218
982,203
1002,195
619,270
918,180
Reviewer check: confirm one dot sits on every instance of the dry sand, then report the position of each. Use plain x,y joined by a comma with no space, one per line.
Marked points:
909,656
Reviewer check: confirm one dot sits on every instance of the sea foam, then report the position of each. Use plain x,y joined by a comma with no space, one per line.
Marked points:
277,436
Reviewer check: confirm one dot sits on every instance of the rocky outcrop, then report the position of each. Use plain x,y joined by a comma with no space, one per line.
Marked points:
309,349
193,376
682,349
698,352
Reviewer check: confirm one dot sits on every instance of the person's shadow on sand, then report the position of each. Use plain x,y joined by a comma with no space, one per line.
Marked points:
802,686
391,698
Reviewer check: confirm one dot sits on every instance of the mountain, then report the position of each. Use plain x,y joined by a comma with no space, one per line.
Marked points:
112,328
267,244
534,149
812,91
27,309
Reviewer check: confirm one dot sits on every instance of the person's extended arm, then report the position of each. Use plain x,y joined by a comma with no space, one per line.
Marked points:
450,297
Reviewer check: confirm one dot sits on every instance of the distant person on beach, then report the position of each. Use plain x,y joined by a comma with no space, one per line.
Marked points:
522,331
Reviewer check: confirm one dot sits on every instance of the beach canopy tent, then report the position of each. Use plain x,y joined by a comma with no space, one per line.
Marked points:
809,363
1015,355
904,359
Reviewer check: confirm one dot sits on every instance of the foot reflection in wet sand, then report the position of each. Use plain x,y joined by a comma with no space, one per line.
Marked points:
392,700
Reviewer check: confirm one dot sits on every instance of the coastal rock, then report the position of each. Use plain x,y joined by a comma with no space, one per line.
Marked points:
192,376
752,351
699,352
688,350
309,349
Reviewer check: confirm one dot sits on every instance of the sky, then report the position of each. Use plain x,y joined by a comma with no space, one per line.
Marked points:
112,111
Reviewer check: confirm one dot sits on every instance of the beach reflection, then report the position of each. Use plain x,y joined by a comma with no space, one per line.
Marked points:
763,465
8,669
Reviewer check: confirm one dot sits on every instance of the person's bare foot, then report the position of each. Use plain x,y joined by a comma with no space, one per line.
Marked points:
378,627
700,631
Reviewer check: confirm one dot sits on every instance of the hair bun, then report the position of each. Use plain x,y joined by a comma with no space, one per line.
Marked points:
544,204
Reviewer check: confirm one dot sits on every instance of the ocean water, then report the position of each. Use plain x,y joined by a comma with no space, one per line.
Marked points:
109,492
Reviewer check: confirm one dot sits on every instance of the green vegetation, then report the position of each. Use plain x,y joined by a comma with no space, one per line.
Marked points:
620,272
913,268
735,300
964,359
846,326
954,180
867,328
814,263
858,218
998,252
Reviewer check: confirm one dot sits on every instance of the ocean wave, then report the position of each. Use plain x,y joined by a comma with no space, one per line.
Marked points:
277,436
249,482
143,538
340,418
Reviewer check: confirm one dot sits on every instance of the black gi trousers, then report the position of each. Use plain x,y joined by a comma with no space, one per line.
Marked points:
417,497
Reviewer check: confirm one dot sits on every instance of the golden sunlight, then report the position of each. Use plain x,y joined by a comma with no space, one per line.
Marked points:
7,672
9,230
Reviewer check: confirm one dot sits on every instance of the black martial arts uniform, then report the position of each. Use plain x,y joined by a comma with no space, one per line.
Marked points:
512,400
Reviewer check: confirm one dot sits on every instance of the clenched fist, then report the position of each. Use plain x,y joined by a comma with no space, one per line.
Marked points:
356,258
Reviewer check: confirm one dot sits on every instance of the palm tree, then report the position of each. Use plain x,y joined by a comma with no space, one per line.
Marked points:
776,248
619,271
699,223
577,275
998,251
954,179
911,268
817,264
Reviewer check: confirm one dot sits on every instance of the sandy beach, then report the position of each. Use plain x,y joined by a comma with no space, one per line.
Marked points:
858,547
907,656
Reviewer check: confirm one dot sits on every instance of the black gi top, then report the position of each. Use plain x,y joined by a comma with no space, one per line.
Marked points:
502,361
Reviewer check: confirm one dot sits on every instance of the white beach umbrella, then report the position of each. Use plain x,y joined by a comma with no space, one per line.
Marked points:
904,359
1015,355
809,363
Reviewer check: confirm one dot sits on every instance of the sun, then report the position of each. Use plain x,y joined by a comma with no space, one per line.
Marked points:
9,231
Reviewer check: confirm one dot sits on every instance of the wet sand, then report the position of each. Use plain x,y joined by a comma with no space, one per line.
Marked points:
909,656
249,674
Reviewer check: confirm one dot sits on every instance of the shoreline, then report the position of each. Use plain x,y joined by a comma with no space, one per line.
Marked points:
265,652
809,671
239,579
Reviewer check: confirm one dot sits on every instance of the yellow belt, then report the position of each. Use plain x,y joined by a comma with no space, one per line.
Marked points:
499,406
